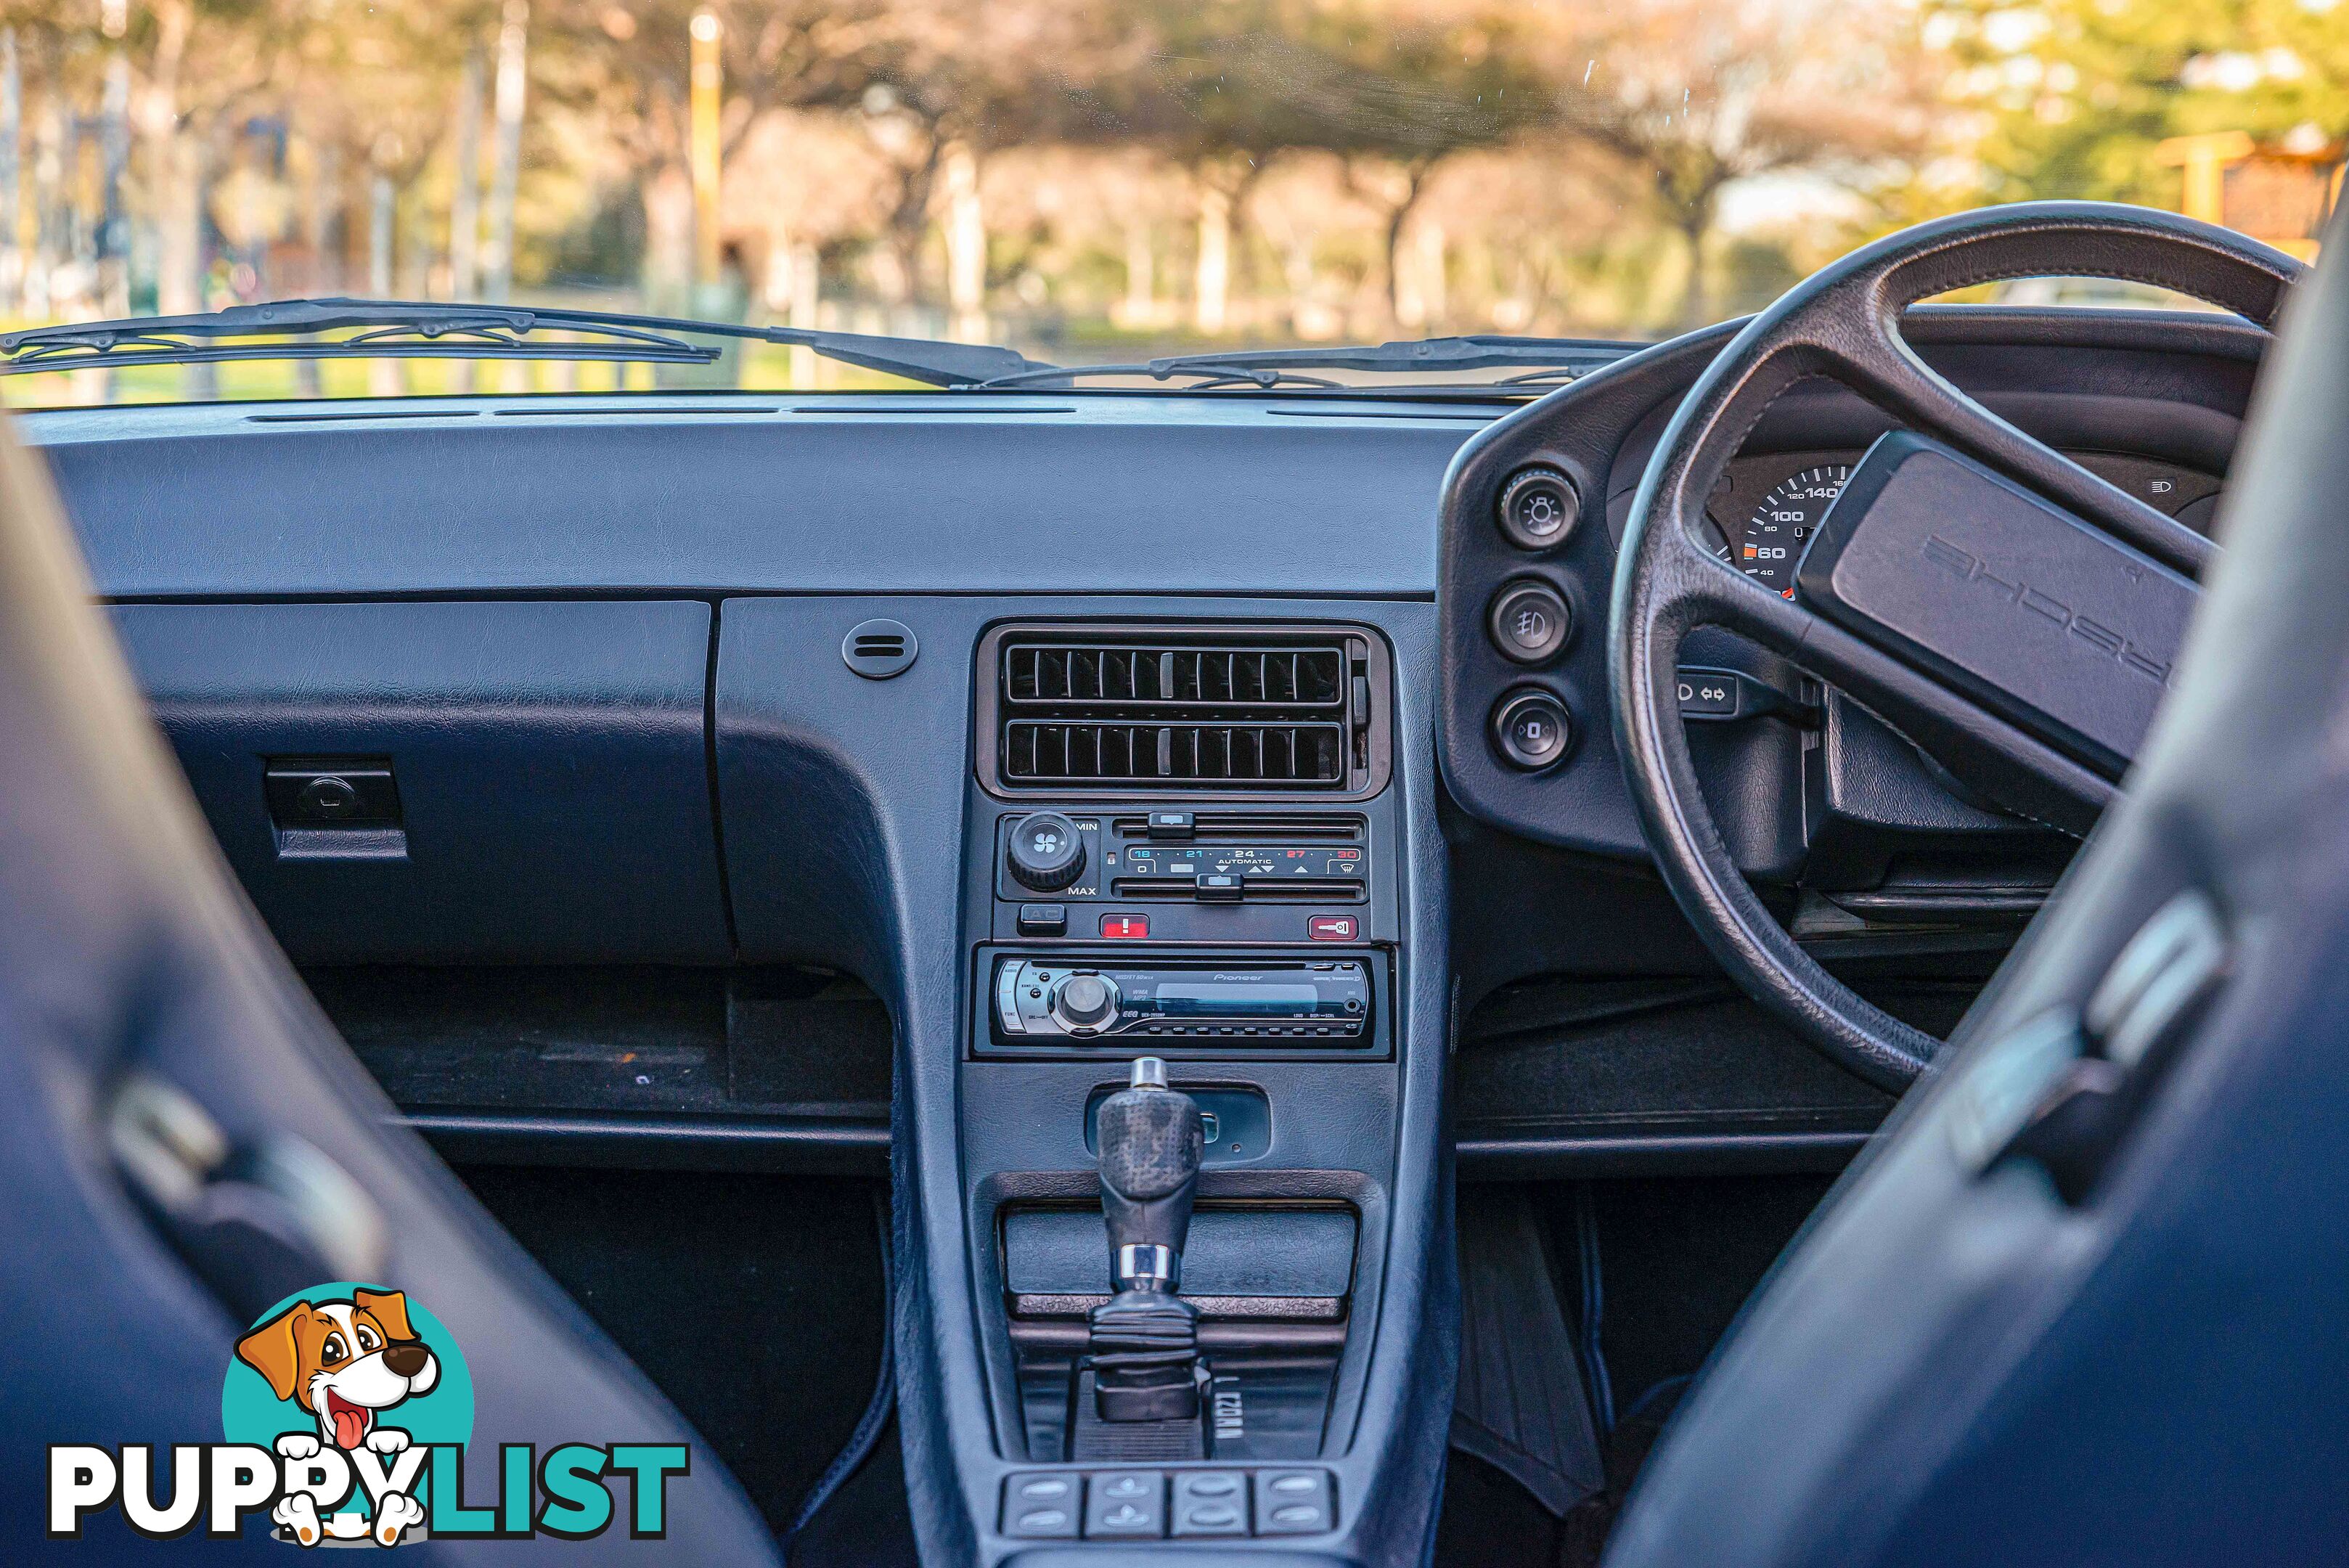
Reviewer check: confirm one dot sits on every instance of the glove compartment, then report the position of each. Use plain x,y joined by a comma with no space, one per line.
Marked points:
517,782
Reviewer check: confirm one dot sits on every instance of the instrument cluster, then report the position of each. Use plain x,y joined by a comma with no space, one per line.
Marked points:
1768,506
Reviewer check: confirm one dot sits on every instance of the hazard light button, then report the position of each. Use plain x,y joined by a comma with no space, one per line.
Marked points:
1125,926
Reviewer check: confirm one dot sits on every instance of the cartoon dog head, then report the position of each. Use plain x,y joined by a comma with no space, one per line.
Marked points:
343,1361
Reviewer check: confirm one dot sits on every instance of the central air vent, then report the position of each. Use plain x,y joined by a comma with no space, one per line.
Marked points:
1259,710
1176,679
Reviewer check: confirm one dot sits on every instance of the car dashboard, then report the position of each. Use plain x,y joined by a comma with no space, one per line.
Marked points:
839,782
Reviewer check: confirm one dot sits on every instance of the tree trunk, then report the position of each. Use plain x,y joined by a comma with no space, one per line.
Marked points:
384,375
667,195
514,76
1414,186
1140,275
966,247
12,195
1212,300
1696,301
465,204
175,163
1434,289
899,274
806,311
114,165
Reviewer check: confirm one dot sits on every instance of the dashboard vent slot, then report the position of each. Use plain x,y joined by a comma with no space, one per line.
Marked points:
1096,709
1080,752
1176,678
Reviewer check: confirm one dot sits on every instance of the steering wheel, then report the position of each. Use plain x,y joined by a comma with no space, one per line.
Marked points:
1844,323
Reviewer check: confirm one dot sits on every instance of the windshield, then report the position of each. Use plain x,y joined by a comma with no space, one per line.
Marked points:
1088,181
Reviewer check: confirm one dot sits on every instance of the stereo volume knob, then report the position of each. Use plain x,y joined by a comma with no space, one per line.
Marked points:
1047,852
1086,1001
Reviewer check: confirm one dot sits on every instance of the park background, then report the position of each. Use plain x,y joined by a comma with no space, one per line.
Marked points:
1093,180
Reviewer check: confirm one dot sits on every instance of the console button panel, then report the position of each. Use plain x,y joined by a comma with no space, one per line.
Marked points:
1152,1504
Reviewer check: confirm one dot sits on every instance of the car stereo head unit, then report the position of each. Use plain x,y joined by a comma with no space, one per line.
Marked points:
1052,999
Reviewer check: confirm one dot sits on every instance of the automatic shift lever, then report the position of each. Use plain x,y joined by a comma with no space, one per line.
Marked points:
1145,1338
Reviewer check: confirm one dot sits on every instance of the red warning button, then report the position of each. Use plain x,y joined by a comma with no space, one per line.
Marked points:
1125,926
1333,928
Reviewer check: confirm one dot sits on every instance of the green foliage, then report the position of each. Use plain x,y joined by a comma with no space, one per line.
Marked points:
2079,91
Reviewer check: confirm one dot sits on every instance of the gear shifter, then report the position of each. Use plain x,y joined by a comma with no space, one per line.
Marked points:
1145,1338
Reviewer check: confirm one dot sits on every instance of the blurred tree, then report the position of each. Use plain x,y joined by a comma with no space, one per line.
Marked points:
1393,88
195,65
1701,95
923,75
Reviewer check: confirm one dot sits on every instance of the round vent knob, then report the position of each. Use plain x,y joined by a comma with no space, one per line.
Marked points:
1047,852
1086,1001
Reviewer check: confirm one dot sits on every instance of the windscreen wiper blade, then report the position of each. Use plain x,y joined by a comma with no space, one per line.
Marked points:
397,329
1547,358
1203,372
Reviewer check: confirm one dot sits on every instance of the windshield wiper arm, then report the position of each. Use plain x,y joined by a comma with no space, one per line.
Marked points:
406,329
1205,370
1558,356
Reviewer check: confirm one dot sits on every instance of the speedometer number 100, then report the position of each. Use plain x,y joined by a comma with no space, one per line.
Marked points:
1776,531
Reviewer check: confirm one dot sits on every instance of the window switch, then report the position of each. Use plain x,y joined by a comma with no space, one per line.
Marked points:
1294,1502
1041,1505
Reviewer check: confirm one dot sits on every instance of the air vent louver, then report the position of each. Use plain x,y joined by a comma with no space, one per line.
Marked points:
1170,712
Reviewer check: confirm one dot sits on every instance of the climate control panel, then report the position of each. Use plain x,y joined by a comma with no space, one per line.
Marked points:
1183,874
1294,857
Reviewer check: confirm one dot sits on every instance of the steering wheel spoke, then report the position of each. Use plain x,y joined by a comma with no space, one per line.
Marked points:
1957,662
1887,372
2015,768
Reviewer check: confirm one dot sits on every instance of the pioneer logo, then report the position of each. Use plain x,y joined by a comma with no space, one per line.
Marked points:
2106,642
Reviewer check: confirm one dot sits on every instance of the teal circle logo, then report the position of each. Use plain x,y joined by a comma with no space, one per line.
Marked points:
343,1374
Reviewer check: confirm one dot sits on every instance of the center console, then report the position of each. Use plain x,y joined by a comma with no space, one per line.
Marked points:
1181,1086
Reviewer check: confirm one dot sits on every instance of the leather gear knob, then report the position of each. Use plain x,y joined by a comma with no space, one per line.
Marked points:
1151,1143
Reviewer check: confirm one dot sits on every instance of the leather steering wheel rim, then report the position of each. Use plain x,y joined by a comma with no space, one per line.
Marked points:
1843,322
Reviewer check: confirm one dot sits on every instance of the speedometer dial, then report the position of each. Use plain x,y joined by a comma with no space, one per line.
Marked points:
1773,538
